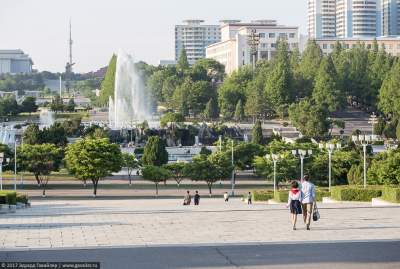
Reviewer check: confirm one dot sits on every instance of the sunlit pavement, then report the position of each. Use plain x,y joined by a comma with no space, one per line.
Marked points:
98,223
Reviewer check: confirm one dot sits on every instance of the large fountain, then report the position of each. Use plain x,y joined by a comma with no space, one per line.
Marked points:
130,104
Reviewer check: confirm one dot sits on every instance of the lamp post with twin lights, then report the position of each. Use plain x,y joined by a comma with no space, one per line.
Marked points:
330,147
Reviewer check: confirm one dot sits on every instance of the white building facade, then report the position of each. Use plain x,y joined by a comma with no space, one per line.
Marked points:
234,51
194,37
15,62
321,18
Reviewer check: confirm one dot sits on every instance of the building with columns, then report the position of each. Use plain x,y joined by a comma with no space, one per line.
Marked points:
390,44
234,51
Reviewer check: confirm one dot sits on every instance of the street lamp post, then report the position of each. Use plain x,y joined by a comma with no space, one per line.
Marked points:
364,141
233,171
253,40
330,148
303,154
1,168
275,158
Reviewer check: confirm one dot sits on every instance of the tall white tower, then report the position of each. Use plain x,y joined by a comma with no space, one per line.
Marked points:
321,20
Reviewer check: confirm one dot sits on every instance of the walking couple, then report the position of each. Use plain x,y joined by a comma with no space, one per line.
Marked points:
301,201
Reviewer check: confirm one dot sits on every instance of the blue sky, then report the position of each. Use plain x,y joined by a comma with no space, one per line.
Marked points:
101,27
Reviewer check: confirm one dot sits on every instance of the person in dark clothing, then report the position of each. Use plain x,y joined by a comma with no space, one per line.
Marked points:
196,198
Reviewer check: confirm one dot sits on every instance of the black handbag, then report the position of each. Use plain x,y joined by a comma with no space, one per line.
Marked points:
316,216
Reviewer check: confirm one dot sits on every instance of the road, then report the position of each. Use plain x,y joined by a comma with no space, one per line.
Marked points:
354,255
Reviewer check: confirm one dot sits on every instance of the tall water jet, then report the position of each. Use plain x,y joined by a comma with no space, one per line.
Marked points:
46,118
130,103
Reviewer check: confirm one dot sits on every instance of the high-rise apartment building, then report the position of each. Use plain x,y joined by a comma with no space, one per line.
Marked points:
390,17
321,20
194,37
358,18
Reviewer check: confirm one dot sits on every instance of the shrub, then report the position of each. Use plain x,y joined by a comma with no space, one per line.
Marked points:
11,197
262,195
281,196
319,193
3,199
352,193
22,198
391,194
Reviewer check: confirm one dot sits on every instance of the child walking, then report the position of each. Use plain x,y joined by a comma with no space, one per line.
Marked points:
294,203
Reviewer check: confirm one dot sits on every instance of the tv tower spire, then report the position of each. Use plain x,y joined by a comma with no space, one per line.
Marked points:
70,43
68,66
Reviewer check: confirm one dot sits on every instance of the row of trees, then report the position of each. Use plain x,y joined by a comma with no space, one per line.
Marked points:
10,107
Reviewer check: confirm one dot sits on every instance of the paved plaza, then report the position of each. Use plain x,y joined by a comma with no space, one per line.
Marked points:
118,223
164,234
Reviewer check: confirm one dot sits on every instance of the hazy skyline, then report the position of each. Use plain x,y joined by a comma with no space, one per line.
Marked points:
102,27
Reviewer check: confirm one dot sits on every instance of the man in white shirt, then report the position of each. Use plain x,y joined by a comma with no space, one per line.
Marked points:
308,194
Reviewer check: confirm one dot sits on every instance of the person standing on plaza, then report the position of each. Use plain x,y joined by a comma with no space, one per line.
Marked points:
308,200
294,203
249,198
226,196
187,199
197,198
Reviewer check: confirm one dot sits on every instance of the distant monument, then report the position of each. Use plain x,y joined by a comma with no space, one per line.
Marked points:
130,103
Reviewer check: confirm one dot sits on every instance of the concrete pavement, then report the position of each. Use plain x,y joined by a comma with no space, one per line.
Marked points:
353,255
111,223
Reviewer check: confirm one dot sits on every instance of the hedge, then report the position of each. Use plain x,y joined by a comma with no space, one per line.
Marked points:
11,197
262,195
391,194
22,198
282,196
354,193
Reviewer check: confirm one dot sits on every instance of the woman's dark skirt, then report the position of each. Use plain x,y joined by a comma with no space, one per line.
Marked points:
295,207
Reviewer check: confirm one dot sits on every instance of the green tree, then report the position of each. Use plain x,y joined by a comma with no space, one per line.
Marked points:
355,174
155,152
309,65
239,111
131,163
8,107
108,83
232,90
278,87
55,134
171,118
326,90
32,135
257,133
244,154
28,105
385,169
183,64
93,159
389,96
70,107
40,160
286,168
222,164
310,119
155,174
211,110
176,170
201,169
57,104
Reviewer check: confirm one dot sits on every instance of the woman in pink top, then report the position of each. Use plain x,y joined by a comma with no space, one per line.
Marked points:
294,203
